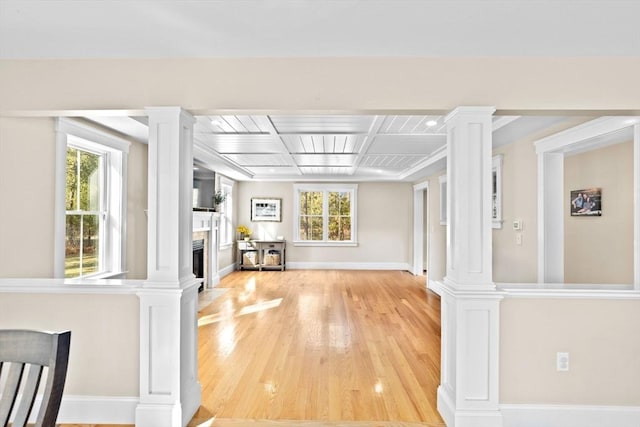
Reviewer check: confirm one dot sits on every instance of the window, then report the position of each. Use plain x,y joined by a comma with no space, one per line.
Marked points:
325,214
226,213
90,210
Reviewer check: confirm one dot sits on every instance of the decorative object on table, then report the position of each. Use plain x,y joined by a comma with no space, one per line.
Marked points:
587,202
245,233
266,209
218,198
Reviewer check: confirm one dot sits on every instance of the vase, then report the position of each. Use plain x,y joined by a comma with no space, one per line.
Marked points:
247,238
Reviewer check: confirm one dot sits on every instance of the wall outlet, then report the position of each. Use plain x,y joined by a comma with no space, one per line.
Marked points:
562,362
518,239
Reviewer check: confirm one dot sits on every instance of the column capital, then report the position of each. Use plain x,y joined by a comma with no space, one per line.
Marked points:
470,111
171,112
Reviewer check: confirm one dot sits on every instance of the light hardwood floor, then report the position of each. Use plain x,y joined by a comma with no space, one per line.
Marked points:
320,347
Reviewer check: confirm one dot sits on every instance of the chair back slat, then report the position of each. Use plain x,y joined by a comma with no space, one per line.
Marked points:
11,388
36,350
28,395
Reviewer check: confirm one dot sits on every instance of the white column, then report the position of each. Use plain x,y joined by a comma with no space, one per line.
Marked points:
551,217
169,389
468,393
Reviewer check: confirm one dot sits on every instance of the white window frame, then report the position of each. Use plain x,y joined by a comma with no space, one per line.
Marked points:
226,214
326,188
115,151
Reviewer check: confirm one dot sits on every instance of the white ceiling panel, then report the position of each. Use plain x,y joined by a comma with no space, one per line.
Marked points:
342,143
411,124
260,159
322,124
324,159
390,161
237,124
233,143
273,171
325,171
406,144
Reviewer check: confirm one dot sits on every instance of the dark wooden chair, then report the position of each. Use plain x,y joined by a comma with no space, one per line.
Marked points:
23,356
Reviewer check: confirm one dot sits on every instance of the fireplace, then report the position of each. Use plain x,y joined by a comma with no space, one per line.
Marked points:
198,262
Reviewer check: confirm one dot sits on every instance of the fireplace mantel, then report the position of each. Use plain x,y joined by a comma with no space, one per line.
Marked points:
207,223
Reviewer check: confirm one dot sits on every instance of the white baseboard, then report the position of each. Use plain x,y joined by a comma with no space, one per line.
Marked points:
402,266
523,415
435,286
226,270
97,410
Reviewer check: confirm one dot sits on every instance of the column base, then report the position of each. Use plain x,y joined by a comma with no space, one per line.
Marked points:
466,418
159,415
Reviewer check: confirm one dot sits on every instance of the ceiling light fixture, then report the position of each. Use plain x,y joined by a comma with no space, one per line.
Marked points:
432,123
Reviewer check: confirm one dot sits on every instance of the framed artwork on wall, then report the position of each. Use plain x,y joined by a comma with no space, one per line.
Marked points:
586,202
266,209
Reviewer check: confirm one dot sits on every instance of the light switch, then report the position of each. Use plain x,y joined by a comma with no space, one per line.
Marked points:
562,362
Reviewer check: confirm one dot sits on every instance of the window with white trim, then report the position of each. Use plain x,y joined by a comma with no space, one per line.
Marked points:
90,211
226,213
325,214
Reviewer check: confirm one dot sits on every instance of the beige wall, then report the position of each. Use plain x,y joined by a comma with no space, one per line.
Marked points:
136,260
385,223
291,84
600,337
345,84
437,258
104,353
600,249
27,177
27,183
512,262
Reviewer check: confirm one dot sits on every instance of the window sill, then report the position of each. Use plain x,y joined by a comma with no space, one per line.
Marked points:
327,244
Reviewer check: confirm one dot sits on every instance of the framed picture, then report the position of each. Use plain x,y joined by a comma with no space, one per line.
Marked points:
587,202
266,209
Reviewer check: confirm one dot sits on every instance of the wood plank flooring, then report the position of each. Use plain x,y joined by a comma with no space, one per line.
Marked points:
320,347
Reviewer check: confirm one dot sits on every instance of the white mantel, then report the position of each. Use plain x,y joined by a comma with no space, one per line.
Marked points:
209,222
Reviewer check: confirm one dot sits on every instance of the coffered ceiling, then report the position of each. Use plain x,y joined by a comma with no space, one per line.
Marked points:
301,147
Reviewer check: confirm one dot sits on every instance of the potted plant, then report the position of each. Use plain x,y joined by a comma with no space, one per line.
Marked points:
245,233
218,198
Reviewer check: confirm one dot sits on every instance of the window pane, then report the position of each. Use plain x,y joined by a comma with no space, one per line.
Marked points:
310,203
72,180
89,181
339,228
316,228
90,244
339,203
72,247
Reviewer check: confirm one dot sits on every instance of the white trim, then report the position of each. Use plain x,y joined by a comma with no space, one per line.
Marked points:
115,151
70,286
418,226
636,206
227,270
435,286
442,180
570,291
325,188
402,266
97,410
91,133
551,152
533,415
